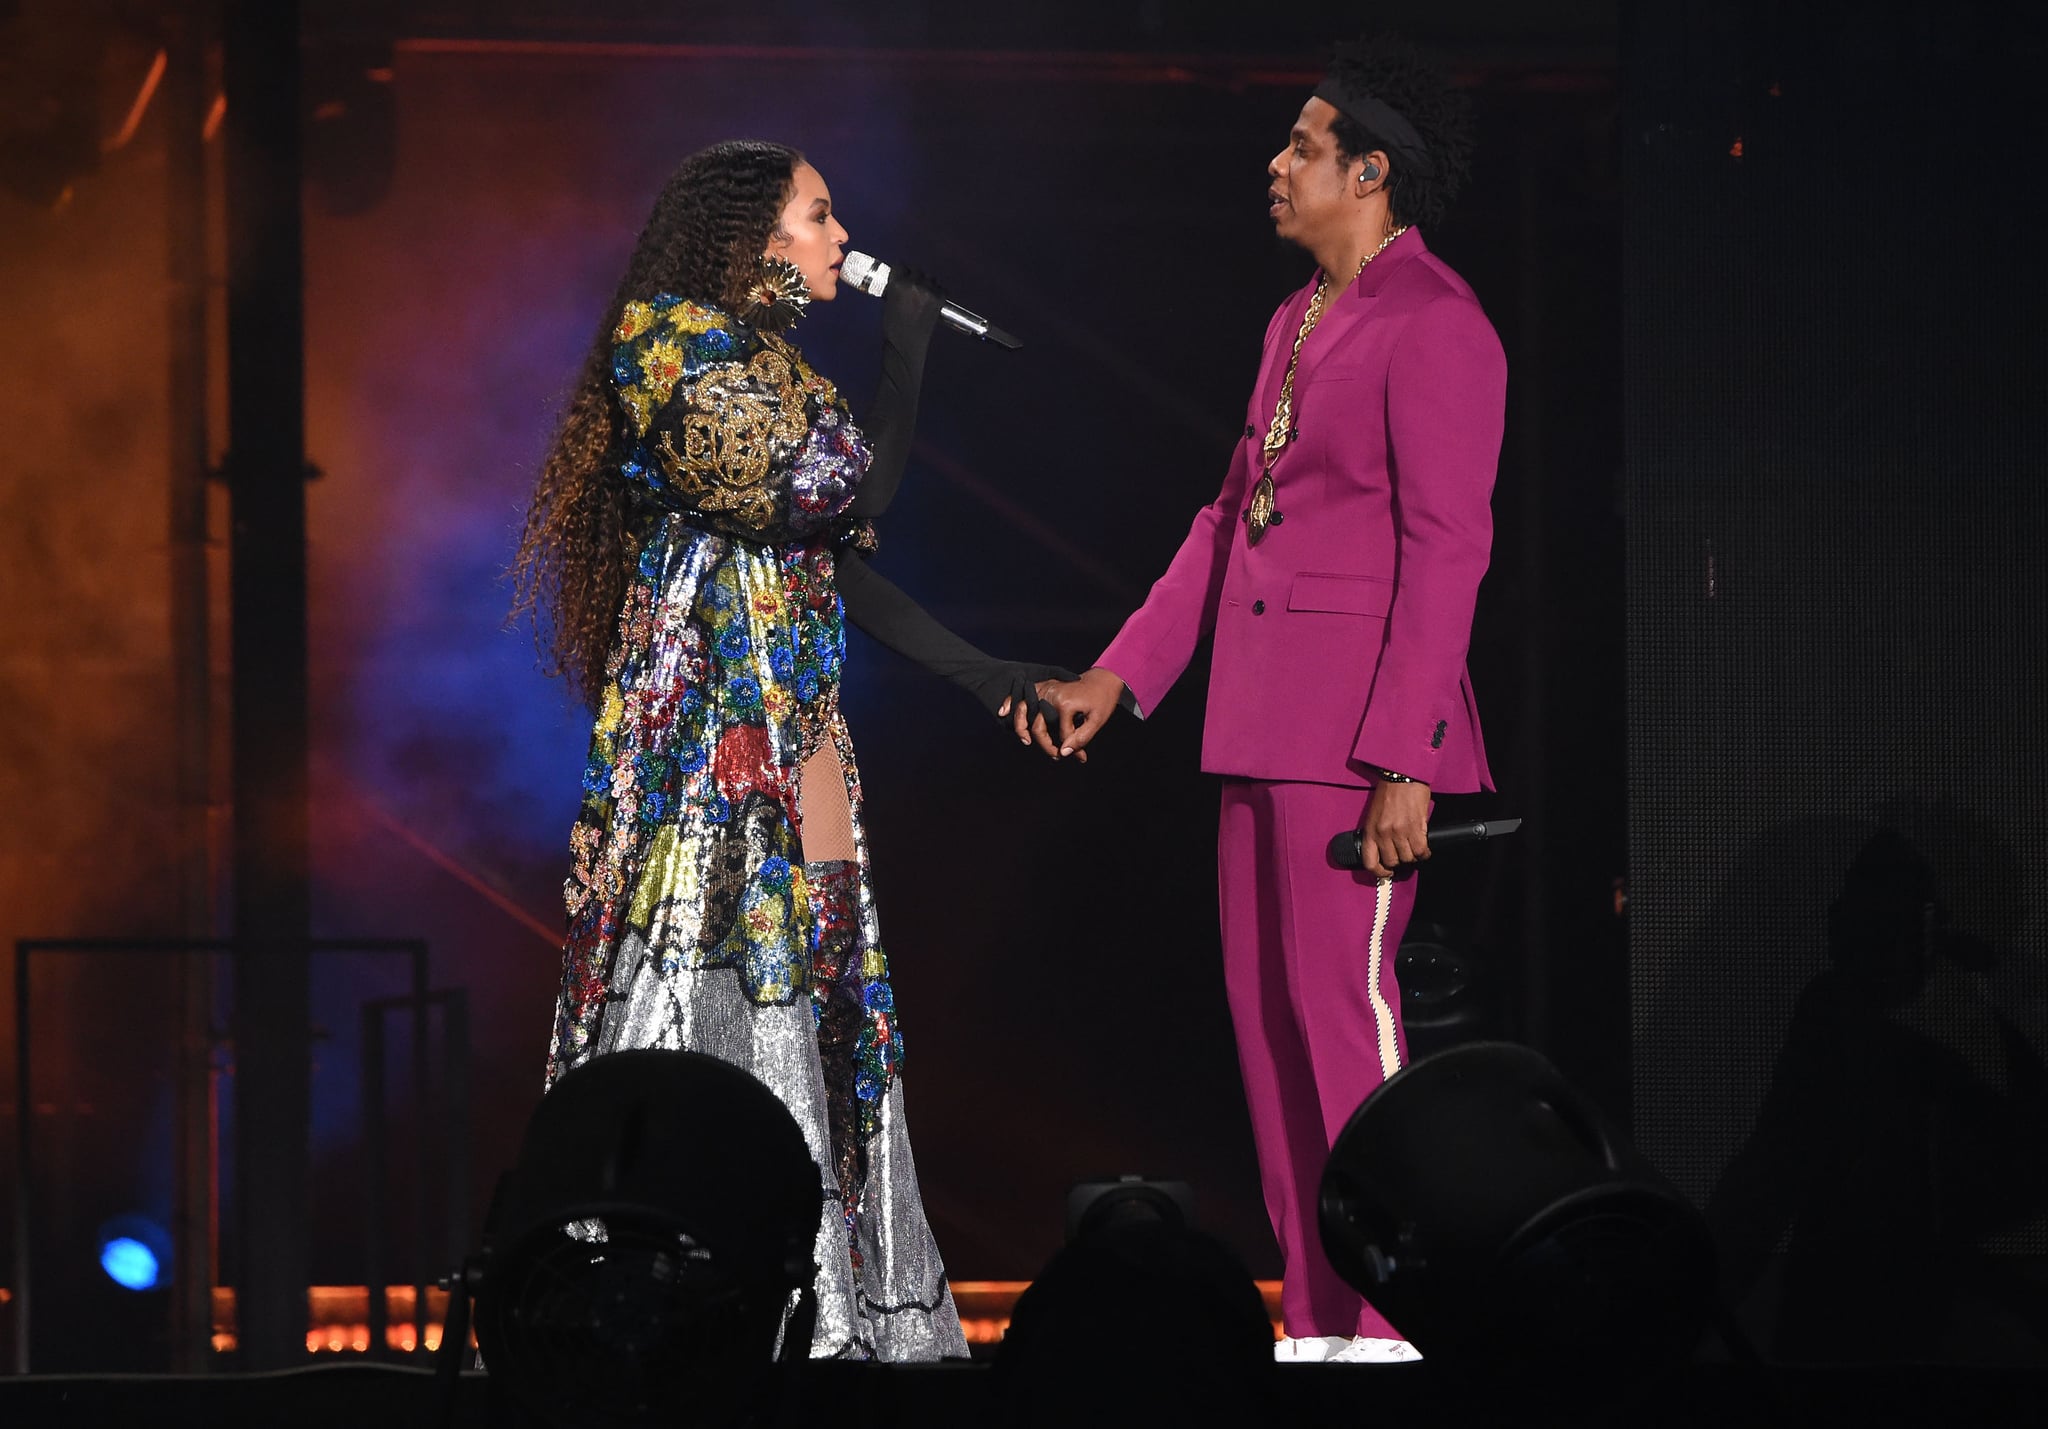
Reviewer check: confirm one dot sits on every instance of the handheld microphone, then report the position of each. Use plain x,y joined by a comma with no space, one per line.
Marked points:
1347,850
872,277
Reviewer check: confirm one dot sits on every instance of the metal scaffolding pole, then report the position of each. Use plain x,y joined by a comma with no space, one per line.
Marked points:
266,474
184,111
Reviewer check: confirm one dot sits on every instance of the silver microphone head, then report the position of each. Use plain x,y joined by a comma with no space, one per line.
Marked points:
865,273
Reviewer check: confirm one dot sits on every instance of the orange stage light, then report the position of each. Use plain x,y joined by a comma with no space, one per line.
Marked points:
338,1315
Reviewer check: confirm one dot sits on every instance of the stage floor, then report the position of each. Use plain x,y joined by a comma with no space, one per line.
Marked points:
347,1396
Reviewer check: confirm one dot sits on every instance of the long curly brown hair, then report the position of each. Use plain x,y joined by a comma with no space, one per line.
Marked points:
583,529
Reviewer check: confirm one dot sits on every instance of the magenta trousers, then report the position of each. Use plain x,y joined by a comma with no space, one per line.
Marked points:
1308,960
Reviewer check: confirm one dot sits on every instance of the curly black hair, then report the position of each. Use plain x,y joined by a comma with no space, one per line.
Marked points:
712,220
1407,81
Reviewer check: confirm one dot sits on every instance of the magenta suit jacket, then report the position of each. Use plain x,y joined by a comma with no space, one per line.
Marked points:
1341,638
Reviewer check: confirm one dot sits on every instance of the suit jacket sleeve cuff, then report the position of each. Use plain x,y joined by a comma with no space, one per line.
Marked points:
1405,751
1119,659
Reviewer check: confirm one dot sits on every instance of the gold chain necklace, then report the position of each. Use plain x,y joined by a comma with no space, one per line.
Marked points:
1261,514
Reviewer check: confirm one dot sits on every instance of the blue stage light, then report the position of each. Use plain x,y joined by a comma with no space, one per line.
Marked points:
130,1263
135,1251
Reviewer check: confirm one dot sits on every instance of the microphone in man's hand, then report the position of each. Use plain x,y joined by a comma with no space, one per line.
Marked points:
1347,850
872,278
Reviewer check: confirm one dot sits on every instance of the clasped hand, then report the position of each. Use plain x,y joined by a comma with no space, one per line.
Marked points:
1083,707
1393,828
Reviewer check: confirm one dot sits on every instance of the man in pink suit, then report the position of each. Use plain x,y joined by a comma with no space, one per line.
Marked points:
1337,571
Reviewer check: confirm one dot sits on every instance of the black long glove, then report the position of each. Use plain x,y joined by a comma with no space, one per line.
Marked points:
885,612
910,310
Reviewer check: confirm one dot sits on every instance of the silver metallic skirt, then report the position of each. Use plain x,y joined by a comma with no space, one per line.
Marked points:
881,1288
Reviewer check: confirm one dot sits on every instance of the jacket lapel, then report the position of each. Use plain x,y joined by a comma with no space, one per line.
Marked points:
1356,303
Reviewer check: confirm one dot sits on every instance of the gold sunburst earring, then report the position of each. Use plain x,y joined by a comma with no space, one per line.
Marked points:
776,295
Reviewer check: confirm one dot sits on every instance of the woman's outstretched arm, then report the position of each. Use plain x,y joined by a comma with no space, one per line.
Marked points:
878,607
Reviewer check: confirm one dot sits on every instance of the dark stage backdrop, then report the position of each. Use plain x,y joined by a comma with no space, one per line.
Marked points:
1836,516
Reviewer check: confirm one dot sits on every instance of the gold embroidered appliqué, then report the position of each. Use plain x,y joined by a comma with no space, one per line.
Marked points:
736,416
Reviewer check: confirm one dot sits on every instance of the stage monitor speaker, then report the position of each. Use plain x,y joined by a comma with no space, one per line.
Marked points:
646,1248
1485,1208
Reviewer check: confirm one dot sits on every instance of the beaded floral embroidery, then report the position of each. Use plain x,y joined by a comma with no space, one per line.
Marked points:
724,676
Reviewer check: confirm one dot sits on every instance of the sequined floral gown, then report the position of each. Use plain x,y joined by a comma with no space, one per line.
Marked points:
694,921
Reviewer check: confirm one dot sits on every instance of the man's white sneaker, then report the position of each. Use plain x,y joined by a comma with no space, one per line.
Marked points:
1309,1349
1365,1350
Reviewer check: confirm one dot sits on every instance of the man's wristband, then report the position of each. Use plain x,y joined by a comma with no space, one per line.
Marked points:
1388,776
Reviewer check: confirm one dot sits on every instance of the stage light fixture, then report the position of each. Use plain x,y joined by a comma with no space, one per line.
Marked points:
129,1263
650,1248
1140,1319
1105,1204
135,1252
1487,1209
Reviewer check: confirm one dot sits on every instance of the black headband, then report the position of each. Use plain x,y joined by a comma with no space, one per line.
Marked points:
1385,122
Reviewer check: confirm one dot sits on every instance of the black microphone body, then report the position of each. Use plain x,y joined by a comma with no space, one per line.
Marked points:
1347,850
961,320
871,276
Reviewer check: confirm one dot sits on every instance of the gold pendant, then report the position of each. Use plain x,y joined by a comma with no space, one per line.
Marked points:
1260,514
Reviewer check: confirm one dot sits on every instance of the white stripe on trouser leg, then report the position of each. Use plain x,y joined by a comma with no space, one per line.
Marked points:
1382,1014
